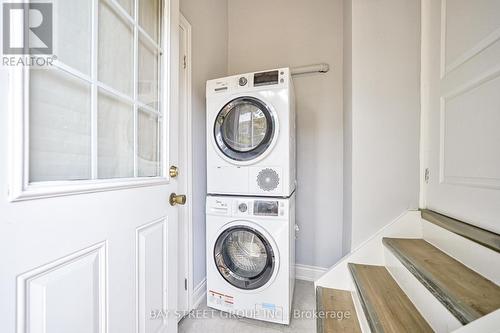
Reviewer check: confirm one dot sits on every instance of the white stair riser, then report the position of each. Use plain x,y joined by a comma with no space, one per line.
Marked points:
436,314
488,323
473,255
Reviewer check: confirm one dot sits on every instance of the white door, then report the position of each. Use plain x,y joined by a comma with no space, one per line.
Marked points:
461,108
88,239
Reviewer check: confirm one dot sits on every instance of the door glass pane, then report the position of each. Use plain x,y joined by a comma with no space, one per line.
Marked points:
115,138
128,5
59,123
244,253
245,127
116,49
148,144
126,132
148,73
73,40
149,17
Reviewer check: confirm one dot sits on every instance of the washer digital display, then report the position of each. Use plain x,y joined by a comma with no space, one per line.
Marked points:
265,208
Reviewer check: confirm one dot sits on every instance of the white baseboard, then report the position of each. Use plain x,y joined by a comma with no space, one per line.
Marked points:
199,294
308,273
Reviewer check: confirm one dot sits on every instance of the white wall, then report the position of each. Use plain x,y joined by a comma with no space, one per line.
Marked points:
267,34
347,103
385,113
208,19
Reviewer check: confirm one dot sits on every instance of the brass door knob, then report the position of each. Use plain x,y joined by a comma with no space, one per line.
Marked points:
177,199
173,171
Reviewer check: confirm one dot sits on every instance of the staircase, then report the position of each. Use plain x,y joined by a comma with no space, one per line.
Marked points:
425,272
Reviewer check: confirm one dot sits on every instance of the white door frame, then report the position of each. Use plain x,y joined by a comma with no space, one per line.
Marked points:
186,158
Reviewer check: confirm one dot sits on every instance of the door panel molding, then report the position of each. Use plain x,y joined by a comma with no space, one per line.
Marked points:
39,289
471,86
151,274
463,89
476,49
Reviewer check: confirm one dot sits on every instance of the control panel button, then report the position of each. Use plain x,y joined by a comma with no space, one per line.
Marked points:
243,207
243,81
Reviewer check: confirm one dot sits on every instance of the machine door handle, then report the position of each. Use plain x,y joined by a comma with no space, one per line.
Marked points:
177,199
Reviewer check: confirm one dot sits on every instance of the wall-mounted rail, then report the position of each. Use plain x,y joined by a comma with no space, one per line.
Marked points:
317,68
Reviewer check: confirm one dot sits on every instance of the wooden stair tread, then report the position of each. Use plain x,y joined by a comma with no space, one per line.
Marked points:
465,293
335,300
481,236
386,306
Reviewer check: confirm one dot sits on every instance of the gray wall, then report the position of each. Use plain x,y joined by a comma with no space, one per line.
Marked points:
266,34
208,19
382,113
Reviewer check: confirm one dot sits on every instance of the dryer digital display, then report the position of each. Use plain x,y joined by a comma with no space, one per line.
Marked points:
265,78
265,208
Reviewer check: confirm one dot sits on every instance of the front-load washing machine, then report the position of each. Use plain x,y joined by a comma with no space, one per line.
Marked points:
251,256
251,141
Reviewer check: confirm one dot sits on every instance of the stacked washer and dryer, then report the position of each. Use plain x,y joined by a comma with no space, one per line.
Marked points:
250,207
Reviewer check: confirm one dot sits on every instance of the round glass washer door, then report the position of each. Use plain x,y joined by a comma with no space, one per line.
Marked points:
244,257
244,128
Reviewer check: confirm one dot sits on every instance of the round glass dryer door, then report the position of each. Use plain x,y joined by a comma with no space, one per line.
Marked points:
244,128
244,257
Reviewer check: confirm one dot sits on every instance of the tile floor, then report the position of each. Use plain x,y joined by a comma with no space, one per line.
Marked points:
304,299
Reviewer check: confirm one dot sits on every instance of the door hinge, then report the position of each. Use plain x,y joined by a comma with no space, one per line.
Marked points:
185,62
427,175
185,284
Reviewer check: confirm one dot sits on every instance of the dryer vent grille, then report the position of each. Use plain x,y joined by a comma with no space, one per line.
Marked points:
268,179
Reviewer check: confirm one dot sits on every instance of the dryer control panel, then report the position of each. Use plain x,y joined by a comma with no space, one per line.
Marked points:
266,78
276,78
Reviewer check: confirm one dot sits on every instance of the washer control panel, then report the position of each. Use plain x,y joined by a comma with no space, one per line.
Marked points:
243,207
265,208
270,208
262,207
